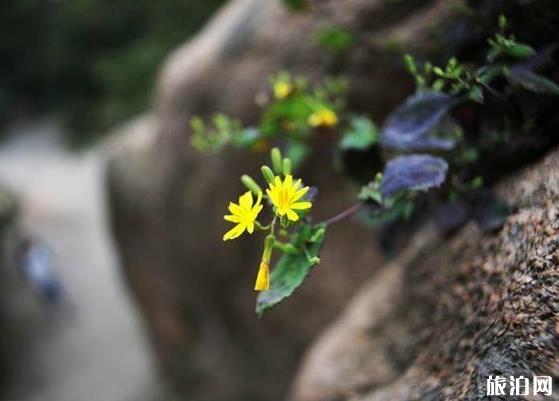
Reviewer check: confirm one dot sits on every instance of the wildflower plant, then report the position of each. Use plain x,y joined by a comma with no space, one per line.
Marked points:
293,111
288,232
423,144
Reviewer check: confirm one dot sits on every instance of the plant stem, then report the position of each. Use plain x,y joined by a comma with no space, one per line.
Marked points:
344,215
261,227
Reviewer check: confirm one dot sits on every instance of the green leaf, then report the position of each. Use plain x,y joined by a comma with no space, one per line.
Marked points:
297,152
401,208
292,269
533,82
296,5
372,191
520,50
288,116
245,138
476,94
411,66
334,39
502,22
362,134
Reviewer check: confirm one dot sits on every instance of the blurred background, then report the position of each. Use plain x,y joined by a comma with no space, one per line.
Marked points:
71,70
114,282
92,64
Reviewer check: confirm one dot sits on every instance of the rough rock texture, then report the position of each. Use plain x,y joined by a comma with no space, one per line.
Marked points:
167,199
437,322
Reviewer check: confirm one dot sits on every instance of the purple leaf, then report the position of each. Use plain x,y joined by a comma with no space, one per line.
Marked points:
410,125
532,82
413,172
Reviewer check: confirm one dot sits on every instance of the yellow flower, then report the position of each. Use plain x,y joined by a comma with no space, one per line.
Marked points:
243,214
285,197
323,118
263,278
282,89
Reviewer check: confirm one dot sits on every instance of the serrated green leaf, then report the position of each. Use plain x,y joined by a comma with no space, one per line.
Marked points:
292,269
362,134
533,82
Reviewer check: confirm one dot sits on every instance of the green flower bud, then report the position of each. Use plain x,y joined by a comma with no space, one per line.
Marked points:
276,160
268,174
286,166
250,184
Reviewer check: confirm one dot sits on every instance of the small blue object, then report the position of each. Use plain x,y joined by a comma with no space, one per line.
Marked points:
37,265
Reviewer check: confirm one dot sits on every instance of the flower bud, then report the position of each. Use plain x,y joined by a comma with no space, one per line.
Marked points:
276,160
251,185
286,166
263,278
267,173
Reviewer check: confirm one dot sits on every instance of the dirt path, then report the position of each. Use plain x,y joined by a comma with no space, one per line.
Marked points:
100,353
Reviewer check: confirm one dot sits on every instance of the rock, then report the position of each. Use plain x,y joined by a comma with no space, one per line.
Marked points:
447,314
11,340
167,199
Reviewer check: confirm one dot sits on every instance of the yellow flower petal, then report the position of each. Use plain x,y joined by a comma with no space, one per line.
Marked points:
323,118
300,193
245,200
263,278
314,120
282,90
250,227
235,232
235,209
291,215
301,205
244,214
285,195
288,182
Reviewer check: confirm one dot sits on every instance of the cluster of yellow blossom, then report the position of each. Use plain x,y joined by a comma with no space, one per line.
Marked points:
286,198
283,87
323,118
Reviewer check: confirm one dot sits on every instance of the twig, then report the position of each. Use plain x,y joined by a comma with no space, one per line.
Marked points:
345,214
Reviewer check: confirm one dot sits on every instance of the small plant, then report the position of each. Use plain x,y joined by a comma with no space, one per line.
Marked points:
334,40
292,112
427,149
296,5
289,231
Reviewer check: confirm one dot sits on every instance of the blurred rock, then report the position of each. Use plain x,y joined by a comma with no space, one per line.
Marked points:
446,315
10,339
167,200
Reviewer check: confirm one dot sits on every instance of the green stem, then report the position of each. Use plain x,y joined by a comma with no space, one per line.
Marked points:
286,248
261,227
